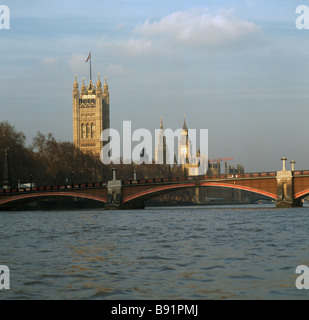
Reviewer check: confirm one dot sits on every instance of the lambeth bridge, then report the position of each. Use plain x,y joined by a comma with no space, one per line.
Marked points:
286,187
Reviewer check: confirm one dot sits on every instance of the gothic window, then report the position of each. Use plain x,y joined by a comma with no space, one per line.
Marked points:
92,130
88,130
83,133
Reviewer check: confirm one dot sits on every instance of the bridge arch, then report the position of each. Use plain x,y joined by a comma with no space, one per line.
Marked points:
240,187
30,197
158,190
302,194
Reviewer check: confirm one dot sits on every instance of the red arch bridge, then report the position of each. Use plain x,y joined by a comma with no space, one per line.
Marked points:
287,188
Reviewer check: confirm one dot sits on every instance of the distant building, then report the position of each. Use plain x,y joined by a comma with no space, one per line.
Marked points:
194,164
161,151
90,115
184,146
239,169
214,168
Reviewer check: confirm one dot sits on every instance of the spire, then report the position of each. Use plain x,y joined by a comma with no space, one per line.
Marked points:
105,87
184,124
90,84
99,81
161,124
75,85
75,88
83,88
99,84
90,89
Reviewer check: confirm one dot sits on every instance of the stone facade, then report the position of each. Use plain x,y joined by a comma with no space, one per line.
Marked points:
90,115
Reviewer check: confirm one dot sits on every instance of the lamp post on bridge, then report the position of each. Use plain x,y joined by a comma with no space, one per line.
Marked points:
293,165
283,163
6,178
114,173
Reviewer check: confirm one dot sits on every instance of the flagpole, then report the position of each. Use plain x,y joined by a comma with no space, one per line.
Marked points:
89,57
90,66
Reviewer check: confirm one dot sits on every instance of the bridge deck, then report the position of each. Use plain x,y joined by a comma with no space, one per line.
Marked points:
264,183
217,178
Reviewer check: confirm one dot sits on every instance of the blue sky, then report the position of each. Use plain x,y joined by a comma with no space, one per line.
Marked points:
236,68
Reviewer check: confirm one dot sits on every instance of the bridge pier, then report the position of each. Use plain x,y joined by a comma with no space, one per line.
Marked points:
285,188
114,186
114,196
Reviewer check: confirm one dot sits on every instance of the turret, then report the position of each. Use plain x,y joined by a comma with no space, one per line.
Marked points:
105,92
99,85
83,88
75,88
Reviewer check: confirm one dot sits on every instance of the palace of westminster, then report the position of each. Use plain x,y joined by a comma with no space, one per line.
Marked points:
91,115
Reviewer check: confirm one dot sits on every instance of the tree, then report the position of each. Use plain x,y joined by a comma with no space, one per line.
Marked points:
20,158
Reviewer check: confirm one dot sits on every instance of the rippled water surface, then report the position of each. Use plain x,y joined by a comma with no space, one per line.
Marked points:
162,253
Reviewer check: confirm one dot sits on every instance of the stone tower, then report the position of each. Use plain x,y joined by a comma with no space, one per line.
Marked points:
90,115
161,151
184,146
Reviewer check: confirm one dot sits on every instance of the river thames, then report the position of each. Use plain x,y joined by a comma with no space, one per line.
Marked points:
206,252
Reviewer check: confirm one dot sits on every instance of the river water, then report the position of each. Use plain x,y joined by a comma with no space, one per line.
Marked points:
220,252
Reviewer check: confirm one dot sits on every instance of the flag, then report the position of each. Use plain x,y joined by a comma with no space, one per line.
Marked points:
88,57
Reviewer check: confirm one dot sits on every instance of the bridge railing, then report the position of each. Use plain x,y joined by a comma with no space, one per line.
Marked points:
302,172
206,177
158,180
54,187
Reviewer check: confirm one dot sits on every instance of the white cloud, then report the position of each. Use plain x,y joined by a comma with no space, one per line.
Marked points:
136,46
200,28
195,28
49,61
77,63
128,47
118,70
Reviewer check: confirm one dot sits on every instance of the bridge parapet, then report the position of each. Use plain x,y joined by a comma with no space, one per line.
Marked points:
202,178
53,188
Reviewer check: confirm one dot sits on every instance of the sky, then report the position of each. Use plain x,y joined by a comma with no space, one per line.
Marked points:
237,68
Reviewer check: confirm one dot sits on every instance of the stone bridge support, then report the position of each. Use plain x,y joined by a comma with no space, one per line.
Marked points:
114,193
285,188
